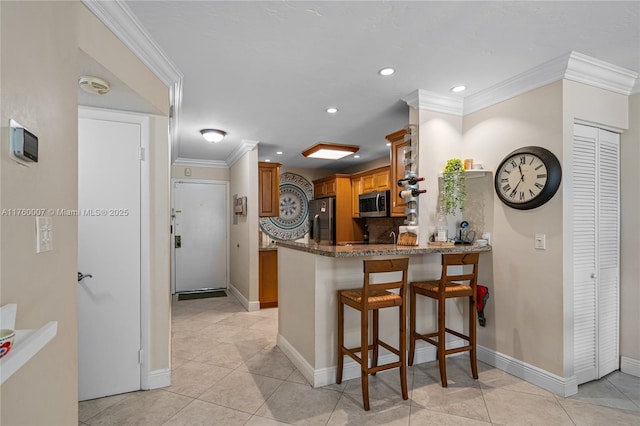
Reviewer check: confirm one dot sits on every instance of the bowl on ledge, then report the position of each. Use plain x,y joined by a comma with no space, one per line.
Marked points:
6,340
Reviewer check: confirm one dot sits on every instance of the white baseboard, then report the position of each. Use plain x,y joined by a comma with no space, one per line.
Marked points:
559,385
630,366
249,306
157,379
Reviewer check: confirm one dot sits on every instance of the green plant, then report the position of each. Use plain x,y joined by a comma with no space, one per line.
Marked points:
452,191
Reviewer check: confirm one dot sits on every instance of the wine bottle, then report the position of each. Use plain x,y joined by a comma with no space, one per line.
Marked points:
411,192
412,180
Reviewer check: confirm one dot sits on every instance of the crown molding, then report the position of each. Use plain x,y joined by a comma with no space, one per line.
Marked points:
122,22
594,72
572,66
190,162
244,147
424,99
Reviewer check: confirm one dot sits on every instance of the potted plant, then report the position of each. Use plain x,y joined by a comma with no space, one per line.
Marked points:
452,190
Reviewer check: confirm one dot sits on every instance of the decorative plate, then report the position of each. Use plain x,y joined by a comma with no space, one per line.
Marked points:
295,192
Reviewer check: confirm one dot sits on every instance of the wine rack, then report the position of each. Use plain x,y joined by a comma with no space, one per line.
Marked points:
411,181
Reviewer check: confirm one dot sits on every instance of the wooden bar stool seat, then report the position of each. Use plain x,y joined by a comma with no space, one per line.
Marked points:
372,297
449,286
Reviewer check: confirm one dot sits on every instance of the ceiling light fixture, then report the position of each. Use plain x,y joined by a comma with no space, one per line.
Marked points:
279,152
213,135
94,85
356,156
329,151
387,71
458,89
332,110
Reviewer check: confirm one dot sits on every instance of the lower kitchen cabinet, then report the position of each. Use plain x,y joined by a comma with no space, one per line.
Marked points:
268,283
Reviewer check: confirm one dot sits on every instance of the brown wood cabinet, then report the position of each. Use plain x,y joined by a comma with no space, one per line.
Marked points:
377,179
398,144
268,189
338,186
268,280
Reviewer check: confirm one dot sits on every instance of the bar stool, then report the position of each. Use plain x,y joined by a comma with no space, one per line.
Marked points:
449,286
372,297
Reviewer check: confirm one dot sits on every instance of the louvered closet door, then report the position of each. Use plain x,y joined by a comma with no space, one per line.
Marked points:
595,252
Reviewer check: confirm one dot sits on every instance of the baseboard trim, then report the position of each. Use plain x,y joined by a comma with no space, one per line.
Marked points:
157,379
249,306
563,386
630,366
296,358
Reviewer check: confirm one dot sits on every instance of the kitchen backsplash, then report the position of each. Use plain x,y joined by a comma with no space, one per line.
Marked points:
380,229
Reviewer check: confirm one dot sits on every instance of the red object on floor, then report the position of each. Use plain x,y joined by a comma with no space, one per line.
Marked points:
482,295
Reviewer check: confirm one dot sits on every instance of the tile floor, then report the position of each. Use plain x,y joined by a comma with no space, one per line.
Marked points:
227,370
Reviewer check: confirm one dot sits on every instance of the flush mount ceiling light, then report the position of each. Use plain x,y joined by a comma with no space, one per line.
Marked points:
329,151
94,85
387,71
213,135
458,89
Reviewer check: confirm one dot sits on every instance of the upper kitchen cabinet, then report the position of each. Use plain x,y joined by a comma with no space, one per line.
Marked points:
269,189
370,180
398,145
331,186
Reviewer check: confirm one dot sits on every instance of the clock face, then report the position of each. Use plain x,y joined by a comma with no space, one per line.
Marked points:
527,178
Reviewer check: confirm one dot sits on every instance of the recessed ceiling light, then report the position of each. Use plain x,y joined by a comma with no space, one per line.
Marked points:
388,143
387,71
267,160
458,89
356,156
279,152
332,110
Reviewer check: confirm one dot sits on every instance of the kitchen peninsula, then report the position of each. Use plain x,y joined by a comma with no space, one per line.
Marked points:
309,276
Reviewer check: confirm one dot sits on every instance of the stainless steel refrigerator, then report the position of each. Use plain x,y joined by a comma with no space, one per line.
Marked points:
322,221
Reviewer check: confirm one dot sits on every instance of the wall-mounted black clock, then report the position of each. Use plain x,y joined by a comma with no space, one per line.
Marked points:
528,177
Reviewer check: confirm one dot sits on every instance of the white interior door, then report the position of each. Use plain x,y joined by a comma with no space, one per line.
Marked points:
109,198
596,252
200,210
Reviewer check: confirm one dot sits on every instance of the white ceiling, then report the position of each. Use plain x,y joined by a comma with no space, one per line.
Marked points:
267,71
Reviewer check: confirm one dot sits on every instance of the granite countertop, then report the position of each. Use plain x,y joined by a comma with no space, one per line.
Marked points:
361,250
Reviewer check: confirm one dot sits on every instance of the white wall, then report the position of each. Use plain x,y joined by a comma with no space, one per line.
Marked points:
207,173
243,247
630,238
41,36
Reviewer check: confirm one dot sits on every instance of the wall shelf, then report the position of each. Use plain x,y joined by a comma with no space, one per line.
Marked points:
26,344
472,174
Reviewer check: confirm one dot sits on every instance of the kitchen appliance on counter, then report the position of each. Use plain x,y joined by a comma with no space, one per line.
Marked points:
375,204
322,221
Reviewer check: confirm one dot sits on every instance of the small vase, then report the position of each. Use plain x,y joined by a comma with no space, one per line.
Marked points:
442,227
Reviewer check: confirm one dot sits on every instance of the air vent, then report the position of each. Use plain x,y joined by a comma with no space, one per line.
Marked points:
94,85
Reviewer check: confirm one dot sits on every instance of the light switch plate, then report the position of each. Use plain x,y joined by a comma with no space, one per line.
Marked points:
540,241
44,234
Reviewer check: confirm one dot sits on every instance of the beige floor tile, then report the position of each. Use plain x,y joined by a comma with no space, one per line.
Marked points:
297,377
422,416
193,378
602,392
212,316
141,408
300,404
241,320
627,384
270,363
462,397
584,414
517,408
229,355
349,411
205,414
384,386
88,409
241,391
263,421
269,324
498,379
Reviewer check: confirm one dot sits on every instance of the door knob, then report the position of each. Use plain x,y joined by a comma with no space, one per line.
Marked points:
82,276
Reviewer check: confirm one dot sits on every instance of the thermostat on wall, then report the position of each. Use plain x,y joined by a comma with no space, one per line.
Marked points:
23,146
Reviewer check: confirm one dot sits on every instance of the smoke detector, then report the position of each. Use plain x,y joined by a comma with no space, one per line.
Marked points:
94,85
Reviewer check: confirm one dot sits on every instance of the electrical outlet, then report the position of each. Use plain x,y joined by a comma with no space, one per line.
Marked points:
44,234
540,241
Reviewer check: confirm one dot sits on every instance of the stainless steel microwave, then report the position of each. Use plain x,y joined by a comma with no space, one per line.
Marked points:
375,204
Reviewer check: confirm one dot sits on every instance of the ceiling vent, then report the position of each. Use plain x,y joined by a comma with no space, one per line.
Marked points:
94,85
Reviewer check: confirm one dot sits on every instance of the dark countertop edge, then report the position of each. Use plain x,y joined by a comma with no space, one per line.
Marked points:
378,249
